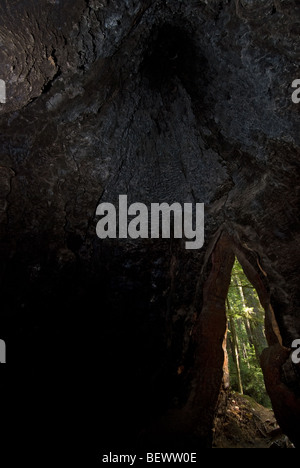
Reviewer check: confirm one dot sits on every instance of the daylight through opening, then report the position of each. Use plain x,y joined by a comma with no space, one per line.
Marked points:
246,337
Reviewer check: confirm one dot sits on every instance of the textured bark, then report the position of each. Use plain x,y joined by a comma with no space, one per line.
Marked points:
163,101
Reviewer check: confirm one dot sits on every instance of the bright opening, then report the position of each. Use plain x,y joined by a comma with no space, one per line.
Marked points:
246,338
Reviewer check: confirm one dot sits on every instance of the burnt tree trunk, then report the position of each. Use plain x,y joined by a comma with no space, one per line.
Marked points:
186,102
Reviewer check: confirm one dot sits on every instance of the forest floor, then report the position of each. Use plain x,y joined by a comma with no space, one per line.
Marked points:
247,424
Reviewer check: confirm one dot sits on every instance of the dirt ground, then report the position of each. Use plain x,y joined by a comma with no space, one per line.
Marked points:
247,424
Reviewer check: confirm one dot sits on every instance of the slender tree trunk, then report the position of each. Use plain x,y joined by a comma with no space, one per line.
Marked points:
249,329
255,329
235,349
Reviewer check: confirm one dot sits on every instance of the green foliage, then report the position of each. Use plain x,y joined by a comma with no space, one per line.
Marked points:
246,338
252,378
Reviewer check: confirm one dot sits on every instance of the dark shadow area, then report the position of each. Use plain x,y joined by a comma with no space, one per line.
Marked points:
172,55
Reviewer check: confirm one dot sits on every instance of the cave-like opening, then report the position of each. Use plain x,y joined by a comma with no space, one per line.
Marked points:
245,416
210,395
246,337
